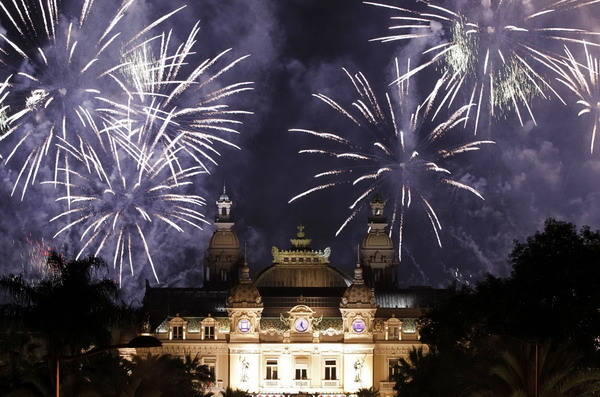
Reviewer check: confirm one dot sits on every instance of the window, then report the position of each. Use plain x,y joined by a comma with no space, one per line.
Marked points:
301,373
178,332
209,332
394,332
211,366
378,275
301,368
393,368
272,369
330,370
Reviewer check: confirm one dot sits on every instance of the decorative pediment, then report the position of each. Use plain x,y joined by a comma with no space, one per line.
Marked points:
301,309
300,319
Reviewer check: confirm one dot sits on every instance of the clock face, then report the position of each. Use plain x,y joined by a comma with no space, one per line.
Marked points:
244,325
301,324
358,326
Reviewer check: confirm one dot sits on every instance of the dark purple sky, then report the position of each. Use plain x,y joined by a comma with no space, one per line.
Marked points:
298,47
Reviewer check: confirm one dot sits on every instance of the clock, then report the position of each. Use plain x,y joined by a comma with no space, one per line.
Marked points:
358,325
244,325
301,324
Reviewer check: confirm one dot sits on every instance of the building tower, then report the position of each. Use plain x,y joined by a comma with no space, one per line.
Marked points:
358,309
223,259
377,251
244,308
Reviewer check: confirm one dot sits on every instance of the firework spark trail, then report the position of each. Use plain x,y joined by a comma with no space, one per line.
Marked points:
170,114
59,81
37,254
489,50
108,205
125,128
584,81
402,164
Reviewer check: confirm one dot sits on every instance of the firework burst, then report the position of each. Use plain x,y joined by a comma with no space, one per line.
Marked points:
171,113
58,78
584,81
402,163
112,207
490,50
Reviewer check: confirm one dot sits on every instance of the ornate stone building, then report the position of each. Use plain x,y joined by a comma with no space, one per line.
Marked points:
301,325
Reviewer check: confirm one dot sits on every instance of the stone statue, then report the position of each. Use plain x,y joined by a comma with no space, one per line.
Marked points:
245,365
358,366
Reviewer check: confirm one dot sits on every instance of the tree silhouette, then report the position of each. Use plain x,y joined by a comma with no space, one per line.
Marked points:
171,376
513,373
69,310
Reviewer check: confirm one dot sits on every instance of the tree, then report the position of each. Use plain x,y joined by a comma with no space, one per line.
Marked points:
69,310
512,372
432,374
554,281
552,294
229,392
171,376
18,357
370,392
200,373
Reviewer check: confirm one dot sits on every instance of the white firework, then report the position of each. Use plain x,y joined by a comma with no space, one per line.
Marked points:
113,206
58,78
583,80
403,164
172,111
497,53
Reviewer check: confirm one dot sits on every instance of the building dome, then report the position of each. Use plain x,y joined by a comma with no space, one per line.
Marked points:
224,238
244,294
377,240
358,294
301,266
302,275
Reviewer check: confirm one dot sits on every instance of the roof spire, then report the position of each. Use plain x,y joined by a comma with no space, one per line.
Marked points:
358,273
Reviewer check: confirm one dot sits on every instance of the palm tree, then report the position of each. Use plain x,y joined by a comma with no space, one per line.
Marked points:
166,374
229,392
370,392
200,373
513,373
70,310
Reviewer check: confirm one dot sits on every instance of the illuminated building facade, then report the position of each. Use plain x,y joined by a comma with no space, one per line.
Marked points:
300,325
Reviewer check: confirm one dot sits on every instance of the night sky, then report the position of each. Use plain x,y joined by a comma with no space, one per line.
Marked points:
299,47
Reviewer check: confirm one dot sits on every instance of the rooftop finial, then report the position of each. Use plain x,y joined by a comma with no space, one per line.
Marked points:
245,268
358,273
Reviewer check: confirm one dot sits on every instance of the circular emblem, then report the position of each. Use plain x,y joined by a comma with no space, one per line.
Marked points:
301,324
358,325
244,325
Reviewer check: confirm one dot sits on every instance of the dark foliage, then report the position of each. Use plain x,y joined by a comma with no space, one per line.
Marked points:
552,295
170,376
69,309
